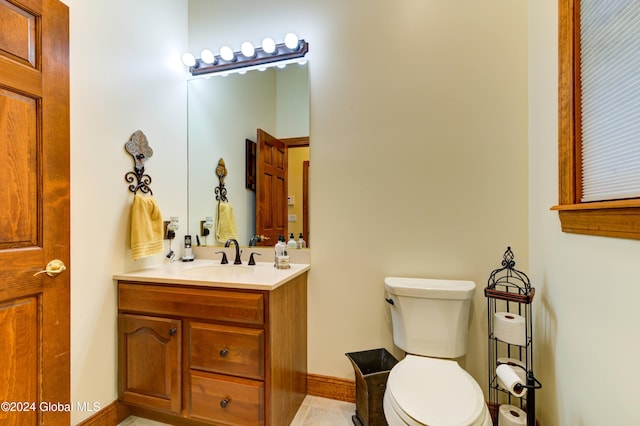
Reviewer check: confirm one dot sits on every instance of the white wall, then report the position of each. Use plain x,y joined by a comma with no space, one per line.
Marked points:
587,288
418,145
125,76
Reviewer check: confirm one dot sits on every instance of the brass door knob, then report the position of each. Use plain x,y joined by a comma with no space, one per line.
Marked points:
53,268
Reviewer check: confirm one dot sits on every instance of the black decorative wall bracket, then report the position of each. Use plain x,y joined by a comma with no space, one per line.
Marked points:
138,147
220,190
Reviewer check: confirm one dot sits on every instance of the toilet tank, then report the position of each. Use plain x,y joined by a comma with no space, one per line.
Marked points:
430,316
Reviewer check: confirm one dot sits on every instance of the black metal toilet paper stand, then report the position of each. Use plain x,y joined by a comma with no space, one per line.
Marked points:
509,290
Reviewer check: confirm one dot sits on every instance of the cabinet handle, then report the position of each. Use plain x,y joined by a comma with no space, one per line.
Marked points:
224,352
224,403
173,331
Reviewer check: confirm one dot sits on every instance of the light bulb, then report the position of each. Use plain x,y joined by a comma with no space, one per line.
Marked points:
226,53
291,41
262,69
207,56
268,45
281,66
247,49
188,59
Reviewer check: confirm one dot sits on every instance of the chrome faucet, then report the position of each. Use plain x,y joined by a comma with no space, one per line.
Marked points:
237,261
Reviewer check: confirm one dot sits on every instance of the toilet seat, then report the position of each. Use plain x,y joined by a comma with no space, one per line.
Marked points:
432,391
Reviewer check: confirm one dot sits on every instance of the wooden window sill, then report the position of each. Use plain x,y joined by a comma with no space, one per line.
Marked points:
618,219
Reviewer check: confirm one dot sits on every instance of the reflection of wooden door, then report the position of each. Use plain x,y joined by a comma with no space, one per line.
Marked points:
34,212
271,187
305,202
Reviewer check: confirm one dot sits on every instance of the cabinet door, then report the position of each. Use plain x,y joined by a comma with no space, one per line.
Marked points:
149,372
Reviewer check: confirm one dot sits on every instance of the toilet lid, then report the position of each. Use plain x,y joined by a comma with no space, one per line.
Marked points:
434,391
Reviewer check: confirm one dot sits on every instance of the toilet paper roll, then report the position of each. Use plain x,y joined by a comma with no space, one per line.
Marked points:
518,366
510,380
510,328
510,415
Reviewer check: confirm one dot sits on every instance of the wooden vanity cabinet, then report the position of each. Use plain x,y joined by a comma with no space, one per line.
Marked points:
211,355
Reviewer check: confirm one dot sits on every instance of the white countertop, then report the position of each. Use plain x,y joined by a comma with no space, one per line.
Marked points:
210,273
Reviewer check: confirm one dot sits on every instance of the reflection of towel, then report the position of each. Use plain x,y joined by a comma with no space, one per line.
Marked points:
225,223
146,227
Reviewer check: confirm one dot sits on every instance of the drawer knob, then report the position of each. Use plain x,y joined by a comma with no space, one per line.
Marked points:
173,331
224,403
224,352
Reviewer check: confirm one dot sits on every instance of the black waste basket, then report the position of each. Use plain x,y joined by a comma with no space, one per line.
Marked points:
372,369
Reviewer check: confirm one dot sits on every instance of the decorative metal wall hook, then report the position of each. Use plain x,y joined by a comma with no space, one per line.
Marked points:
221,172
138,147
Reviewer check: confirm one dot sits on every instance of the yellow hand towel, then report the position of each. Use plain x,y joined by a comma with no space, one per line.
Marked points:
146,227
225,223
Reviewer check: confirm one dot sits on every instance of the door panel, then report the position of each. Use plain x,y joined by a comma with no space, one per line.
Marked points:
19,358
271,187
18,175
34,219
19,33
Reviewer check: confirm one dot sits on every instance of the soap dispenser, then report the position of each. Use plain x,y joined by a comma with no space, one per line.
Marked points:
292,242
279,251
282,257
301,242
188,252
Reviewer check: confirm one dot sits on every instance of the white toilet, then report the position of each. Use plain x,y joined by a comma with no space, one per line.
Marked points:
428,387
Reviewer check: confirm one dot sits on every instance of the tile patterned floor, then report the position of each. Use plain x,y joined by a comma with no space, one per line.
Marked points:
314,411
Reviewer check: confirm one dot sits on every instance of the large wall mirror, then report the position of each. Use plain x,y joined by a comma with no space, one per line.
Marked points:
226,111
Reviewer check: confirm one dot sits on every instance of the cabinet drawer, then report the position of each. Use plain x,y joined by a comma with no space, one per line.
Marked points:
228,350
226,399
220,305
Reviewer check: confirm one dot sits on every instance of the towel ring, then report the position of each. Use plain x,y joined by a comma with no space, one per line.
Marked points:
138,147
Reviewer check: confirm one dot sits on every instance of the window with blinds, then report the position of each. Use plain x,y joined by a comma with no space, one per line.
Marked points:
610,99
599,117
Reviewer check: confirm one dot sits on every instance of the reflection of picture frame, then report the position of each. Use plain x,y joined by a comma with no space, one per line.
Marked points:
250,165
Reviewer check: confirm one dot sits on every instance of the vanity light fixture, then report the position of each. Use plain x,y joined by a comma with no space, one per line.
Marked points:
249,57
227,54
269,46
207,57
248,50
188,59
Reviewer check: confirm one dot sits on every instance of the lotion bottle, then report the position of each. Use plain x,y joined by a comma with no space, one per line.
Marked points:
279,251
292,242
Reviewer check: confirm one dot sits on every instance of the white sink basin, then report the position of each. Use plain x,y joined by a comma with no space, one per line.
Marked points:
218,271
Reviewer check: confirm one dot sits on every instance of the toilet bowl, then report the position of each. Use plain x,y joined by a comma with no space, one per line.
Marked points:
436,392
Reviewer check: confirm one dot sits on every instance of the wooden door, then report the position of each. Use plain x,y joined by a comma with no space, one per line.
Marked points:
149,361
271,187
34,212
